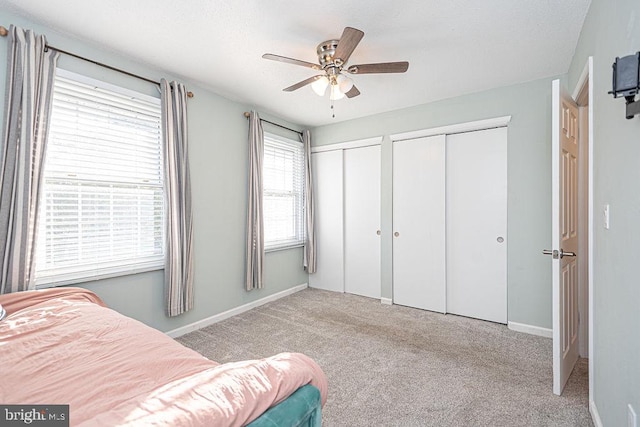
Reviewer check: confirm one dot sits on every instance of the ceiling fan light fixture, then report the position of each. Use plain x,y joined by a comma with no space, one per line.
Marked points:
320,86
336,93
344,83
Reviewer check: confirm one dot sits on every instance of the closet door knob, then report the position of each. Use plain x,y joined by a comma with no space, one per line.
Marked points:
378,232
396,234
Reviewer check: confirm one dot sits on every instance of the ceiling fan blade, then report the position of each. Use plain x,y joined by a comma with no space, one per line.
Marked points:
352,92
291,61
384,67
347,44
302,83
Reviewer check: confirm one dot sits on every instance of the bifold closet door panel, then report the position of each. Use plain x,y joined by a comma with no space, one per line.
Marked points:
419,268
362,221
477,224
328,191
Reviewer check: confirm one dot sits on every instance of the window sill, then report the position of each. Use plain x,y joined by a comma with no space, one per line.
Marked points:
283,247
66,280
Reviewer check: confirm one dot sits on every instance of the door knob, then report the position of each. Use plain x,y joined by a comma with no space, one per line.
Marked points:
396,234
378,232
500,239
558,254
564,254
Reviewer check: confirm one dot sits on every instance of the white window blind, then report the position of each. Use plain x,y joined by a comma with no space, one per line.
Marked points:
101,209
283,194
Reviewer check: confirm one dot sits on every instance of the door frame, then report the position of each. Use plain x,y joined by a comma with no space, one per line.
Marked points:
582,90
495,122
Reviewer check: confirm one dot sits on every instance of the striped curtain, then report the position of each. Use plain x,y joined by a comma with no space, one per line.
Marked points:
29,89
178,266
310,244
255,220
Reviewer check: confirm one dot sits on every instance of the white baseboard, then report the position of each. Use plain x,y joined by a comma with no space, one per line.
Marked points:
529,329
386,301
595,416
234,311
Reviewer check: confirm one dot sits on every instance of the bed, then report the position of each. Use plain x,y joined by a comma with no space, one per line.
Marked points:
64,346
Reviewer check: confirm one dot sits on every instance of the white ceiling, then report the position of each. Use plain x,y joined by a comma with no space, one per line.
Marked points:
454,47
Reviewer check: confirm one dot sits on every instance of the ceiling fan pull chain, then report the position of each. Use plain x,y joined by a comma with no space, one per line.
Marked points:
333,111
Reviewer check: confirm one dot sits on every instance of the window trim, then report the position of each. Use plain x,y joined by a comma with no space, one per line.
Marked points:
280,246
110,269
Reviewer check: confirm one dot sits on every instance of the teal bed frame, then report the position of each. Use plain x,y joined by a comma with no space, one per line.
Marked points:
302,409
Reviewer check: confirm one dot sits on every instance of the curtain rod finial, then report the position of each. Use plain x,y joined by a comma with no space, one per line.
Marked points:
3,31
190,94
247,114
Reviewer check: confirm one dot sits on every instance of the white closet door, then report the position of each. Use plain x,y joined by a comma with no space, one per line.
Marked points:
419,223
477,224
328,192
362,221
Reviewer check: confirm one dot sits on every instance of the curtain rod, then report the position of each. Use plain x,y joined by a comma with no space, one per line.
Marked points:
4,32
246,114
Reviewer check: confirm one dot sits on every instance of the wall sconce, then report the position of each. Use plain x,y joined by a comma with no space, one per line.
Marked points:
626,82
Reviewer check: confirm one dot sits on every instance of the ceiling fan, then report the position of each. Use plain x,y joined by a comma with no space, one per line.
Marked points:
333,56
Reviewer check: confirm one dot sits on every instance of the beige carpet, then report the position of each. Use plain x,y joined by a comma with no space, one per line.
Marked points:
398,366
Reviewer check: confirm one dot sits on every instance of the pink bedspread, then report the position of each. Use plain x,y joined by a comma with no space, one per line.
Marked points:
63,346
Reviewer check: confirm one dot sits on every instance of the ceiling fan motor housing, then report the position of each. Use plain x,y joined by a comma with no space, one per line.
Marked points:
326,50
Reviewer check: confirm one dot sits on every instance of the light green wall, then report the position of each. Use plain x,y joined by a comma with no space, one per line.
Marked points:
218,160
218,165
612,28
529,181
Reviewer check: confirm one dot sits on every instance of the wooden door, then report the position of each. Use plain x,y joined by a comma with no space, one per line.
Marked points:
419,223
362,221
328,192
564,234
476,218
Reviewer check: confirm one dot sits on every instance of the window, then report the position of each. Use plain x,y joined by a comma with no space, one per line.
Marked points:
101,206
283,193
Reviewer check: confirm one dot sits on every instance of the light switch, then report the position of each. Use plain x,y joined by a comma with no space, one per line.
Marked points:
605,216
